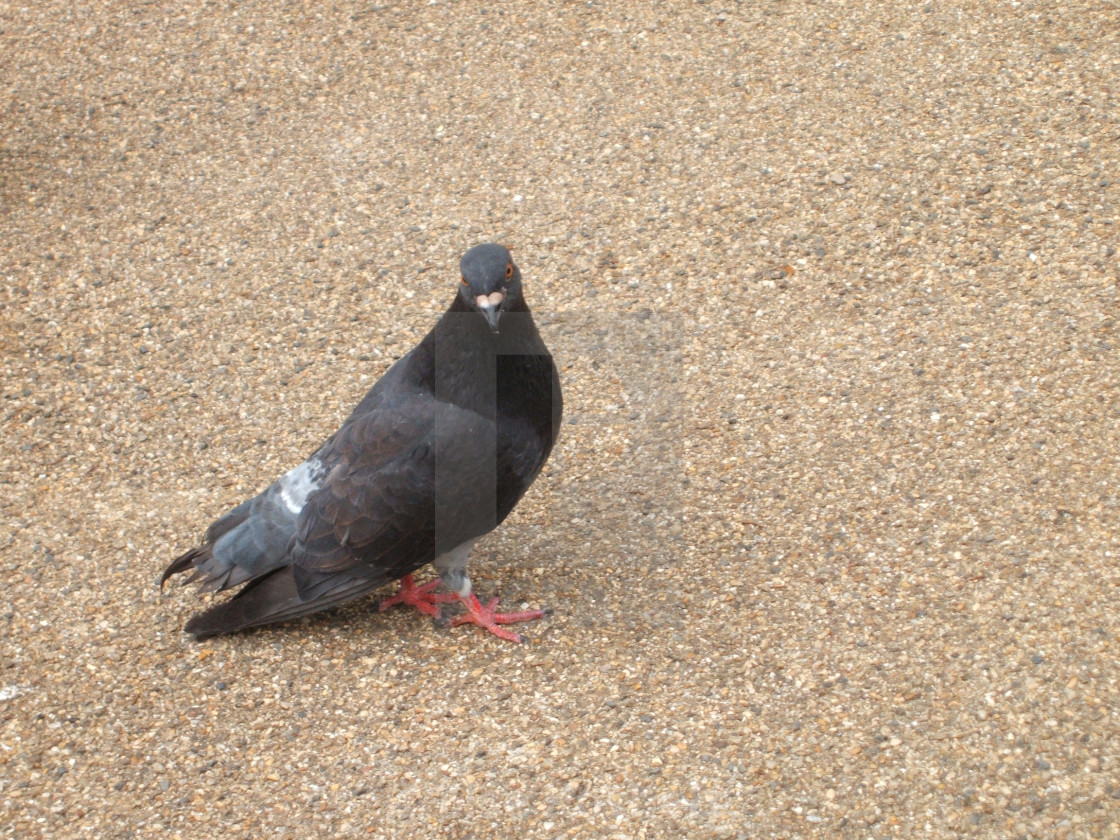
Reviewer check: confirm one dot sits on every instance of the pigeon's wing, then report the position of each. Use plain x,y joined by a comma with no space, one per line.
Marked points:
255,537
276,597
373,517
406,487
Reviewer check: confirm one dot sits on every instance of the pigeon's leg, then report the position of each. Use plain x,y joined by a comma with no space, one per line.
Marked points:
452,568
424,598
485,617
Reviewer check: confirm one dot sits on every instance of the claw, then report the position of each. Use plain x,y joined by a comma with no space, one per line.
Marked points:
424,598
427,600
485,617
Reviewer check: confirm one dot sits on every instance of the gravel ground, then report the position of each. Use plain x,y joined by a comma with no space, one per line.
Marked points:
831,533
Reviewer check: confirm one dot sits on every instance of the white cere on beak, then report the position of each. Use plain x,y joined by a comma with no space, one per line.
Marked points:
489,301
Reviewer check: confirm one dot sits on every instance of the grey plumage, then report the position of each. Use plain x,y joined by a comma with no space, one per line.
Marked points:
435,455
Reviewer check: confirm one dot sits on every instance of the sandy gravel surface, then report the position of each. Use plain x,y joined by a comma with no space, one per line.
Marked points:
831,535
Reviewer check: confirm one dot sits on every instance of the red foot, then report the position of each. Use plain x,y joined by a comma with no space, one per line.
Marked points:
424,598
485,617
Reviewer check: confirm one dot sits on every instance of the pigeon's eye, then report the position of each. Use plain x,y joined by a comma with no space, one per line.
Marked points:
509,270
463,279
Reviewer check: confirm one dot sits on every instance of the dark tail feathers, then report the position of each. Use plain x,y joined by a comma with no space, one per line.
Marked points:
184,562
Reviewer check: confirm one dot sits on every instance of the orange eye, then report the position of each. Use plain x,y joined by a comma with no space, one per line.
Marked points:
463,278
509,271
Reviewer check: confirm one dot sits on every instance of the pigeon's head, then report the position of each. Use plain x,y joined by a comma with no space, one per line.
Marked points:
491,283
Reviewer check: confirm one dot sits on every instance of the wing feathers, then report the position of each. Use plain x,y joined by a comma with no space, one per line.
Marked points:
273,598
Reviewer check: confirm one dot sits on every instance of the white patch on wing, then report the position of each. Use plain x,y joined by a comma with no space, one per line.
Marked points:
299,483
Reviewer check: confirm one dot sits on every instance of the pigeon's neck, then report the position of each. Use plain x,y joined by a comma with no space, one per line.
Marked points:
459,359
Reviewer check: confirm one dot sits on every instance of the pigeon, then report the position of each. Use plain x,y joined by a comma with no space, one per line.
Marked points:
434,457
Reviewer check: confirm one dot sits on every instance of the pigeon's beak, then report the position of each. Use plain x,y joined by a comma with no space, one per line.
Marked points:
491,308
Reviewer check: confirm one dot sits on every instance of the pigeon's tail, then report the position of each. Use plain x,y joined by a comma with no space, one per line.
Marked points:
217,574
203,555
275,597
184,562
229,521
